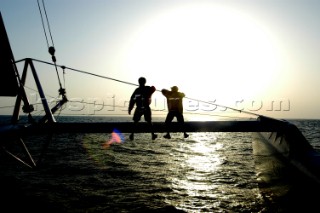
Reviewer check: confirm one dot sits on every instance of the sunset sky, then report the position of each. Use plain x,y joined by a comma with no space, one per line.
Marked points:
257,56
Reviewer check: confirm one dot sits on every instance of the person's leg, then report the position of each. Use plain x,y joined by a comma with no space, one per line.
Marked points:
168,121
148,119
136,118
131,136
180,119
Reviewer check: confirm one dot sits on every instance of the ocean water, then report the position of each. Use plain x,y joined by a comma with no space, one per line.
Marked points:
207,172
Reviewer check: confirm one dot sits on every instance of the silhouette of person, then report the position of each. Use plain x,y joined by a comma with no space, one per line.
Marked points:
141,97
175,108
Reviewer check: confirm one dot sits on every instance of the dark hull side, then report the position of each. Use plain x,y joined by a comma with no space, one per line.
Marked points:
289,149
287,168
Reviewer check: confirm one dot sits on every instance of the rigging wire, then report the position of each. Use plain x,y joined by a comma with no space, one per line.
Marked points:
44,29
218,105
51,49
84,72
118,106
48,23
64,78
129,83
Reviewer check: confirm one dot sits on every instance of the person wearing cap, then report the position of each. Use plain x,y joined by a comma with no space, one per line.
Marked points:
141,97
175,108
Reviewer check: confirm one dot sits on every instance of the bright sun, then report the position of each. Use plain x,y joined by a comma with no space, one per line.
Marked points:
209,52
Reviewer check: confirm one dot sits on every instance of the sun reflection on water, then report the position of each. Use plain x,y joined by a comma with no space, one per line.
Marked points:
199,160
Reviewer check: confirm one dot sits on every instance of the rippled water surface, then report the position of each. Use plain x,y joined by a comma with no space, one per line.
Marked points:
208,172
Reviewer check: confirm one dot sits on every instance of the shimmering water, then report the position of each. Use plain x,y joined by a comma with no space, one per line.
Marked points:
207,172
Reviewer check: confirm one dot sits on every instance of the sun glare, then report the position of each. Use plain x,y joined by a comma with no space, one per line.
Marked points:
206,50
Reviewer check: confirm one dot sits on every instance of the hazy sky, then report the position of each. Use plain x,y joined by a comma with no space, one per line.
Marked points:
259,56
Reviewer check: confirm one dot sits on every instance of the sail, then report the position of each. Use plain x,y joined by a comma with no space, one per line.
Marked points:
9,84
